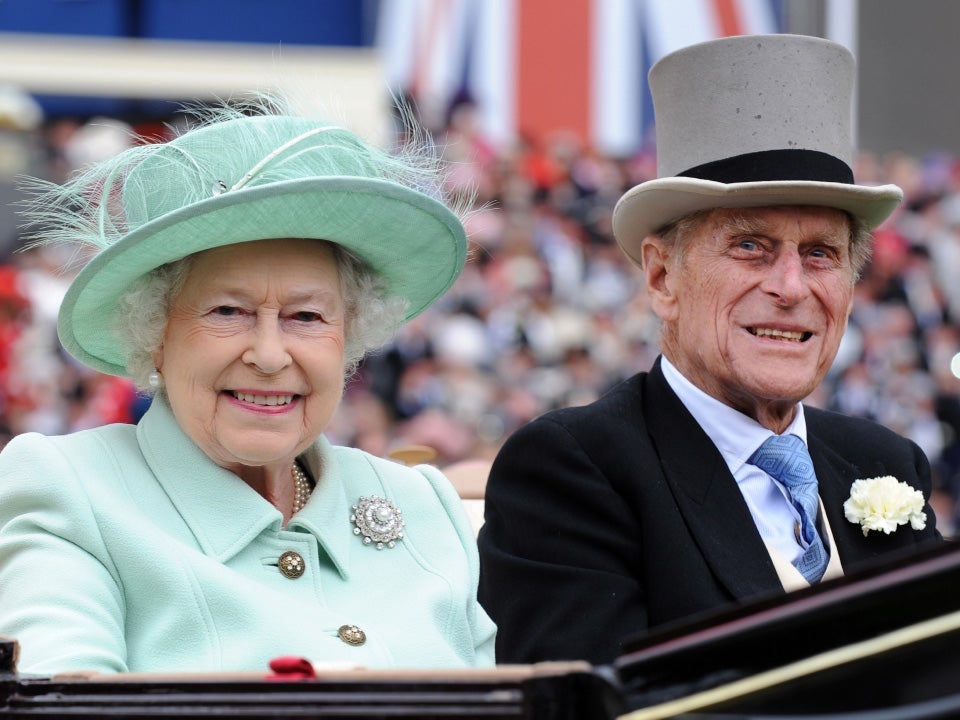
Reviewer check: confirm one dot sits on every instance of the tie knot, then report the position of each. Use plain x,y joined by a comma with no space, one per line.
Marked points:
785,458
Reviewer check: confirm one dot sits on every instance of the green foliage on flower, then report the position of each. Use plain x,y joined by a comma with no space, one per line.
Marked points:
884,503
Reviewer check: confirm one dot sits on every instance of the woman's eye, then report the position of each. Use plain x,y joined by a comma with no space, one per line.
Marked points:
307,316
226,311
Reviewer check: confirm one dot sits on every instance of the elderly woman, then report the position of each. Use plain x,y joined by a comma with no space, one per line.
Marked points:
240,272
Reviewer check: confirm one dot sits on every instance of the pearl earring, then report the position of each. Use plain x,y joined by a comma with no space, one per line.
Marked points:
154,379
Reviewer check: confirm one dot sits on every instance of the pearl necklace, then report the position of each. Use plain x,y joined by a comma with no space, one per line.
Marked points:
302,487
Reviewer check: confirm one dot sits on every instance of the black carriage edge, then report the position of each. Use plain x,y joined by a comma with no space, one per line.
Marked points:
883,644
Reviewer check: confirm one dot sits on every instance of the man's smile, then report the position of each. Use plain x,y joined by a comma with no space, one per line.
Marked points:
791,335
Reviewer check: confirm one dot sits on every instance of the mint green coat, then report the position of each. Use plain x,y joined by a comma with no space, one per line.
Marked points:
125,548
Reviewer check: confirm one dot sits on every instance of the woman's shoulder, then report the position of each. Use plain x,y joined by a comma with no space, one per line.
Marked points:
370,473
88,444
424,495
68,480
68,467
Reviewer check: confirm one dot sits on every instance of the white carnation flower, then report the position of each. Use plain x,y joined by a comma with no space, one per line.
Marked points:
884,503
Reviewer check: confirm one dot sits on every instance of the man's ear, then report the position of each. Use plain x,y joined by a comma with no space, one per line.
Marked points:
657,268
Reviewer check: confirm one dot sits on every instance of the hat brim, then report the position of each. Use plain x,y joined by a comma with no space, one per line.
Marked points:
416,244
650,206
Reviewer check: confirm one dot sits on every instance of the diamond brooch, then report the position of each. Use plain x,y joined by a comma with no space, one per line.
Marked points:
378,521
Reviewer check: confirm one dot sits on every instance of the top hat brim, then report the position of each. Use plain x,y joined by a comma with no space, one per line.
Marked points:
415,244
651,206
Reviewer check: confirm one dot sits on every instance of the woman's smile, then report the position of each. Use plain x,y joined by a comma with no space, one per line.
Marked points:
262,399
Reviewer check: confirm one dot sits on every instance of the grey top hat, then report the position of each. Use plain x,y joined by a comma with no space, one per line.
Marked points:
751,121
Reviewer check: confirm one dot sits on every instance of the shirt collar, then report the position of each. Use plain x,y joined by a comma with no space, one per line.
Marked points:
736,435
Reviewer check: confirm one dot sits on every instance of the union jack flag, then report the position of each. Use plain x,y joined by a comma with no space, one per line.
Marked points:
536,67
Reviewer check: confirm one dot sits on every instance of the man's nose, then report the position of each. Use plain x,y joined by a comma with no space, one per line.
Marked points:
785,279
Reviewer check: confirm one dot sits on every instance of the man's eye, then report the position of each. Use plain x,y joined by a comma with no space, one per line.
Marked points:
748,244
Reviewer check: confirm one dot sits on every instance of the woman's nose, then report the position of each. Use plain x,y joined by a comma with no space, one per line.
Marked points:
267,350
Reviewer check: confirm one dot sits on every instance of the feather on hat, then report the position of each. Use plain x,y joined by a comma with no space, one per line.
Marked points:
237,177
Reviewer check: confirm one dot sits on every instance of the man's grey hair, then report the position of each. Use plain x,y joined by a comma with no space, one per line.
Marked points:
370,315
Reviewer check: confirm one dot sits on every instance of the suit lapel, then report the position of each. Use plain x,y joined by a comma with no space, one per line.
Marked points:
835,476
707,495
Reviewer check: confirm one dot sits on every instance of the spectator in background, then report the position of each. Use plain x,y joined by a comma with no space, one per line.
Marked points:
15,399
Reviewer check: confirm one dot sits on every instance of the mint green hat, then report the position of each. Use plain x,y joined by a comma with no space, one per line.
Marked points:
238,178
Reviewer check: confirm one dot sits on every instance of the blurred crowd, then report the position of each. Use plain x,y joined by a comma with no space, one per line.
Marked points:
548,312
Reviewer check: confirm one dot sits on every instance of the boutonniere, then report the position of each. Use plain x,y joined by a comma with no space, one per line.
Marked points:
884,503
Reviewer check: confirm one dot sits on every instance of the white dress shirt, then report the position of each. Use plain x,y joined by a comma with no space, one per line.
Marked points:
737,437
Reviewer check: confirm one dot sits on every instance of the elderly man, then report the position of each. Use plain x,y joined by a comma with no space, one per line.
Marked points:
705,482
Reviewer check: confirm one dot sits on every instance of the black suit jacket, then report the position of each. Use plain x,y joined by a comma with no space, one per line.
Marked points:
607,520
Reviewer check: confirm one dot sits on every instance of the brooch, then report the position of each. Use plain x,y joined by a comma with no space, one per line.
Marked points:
378,521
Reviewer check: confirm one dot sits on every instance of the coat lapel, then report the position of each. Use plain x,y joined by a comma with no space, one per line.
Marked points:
223,513
707,495
835,476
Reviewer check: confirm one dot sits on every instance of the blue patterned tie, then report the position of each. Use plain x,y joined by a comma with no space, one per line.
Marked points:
785,458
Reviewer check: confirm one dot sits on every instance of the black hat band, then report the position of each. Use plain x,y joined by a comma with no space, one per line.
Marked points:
774,166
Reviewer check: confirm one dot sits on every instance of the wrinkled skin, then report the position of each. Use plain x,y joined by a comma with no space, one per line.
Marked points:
755,305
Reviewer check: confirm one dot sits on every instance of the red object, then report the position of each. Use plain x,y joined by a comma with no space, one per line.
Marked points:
290,667
11,288
554,51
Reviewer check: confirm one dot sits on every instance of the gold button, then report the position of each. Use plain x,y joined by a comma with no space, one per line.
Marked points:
291,564
352,635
